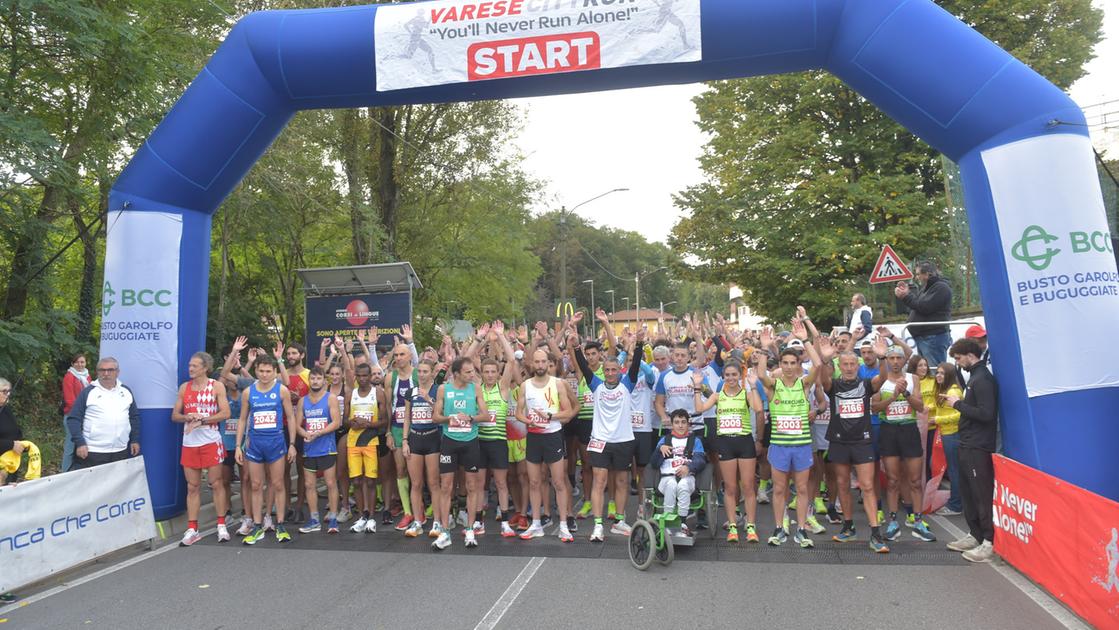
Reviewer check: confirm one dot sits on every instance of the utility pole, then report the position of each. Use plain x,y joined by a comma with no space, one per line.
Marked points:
563,254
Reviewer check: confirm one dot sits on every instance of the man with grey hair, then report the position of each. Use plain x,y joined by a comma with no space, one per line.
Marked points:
862,317
104,421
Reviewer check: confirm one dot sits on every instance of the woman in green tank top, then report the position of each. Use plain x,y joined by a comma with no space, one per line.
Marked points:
735,442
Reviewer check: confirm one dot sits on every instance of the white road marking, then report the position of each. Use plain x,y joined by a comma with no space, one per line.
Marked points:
1050,605
501,606
37,597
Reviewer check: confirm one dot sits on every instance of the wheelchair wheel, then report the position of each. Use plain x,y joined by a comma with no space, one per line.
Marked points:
642,545
666,554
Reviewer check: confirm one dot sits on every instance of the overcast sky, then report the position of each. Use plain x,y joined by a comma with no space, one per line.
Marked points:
649,143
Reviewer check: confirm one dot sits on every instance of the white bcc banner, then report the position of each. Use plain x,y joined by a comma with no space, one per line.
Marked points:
1059,261
140,303
60,521
456,41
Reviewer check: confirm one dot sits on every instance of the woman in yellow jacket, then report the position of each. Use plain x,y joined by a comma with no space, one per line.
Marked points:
948,423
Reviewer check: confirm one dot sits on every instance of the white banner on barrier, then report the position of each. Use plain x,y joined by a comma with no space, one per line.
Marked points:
1059,261
57,522
456,41
140,303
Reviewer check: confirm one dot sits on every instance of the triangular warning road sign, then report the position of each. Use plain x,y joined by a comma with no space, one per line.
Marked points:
889,268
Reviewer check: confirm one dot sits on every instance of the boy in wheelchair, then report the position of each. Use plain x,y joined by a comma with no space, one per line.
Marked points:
680,457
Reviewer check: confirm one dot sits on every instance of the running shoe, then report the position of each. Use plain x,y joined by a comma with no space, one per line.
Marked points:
358,526
546,520
311,526
685,530
371,526
572,524
405,523
701,519
893,531
435,531
834,517
442,542
751,533
801,538
332,525
947,511
564,535
596,533
621,527
344,515
223,533
584,511
814,525
921,530
845,535
268,525
763,494
246,526
386,517
282,534
190,536
463,519
911,520
507,531
533,531
732,534
479,529
877,545
470,541
966,543
793,503
821,505
984,552
414,530
254,536
778,538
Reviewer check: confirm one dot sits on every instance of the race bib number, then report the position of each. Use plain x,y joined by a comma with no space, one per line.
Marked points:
788,425
730,422
637,419
421,415
398,413
537,418
264,419
588,399
231,427
851,408
596,446
458,425
316,424
899,410
492,422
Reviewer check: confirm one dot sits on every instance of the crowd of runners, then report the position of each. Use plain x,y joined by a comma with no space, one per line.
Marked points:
520,426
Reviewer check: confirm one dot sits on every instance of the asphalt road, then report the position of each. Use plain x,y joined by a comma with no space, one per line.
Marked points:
386,581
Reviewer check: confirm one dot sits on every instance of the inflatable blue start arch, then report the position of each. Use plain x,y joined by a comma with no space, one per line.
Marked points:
1048,279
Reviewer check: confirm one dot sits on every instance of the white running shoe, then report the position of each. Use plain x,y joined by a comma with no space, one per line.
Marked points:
564,534
471,541
621,527
246,526
463,519
371,526
344,515
190,536
533,531
442,542
985,552
223,533
359,525
967,543
597,535
268,525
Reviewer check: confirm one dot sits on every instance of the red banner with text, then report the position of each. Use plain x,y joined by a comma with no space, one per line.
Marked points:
1062,536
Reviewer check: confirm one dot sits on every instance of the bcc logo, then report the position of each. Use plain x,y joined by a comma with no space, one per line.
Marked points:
133,297
1034,246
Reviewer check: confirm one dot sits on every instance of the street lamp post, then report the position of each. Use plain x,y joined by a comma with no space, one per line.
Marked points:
563,238
664,304
626,298
637,292
591,282
612,309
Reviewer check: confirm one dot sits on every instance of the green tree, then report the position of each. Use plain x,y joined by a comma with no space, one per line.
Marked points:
807,180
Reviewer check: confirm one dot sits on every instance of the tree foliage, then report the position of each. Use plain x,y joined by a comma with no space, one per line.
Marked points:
807,181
